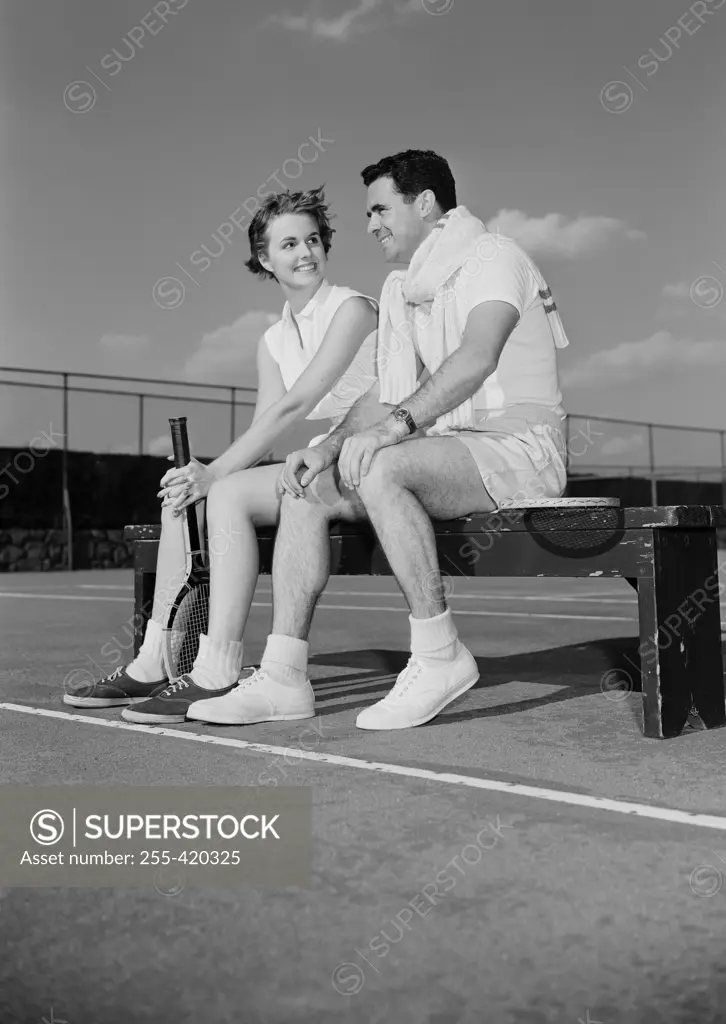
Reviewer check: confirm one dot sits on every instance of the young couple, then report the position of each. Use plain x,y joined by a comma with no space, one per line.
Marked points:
444,401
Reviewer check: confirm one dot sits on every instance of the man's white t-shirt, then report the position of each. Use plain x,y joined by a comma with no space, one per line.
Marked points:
527,370
293,342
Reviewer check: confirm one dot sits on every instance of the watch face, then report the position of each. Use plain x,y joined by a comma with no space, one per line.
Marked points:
403,416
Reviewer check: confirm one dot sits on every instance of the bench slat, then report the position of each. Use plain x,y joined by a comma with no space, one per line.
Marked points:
537,520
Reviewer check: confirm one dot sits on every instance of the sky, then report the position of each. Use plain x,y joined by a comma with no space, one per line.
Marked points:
137,135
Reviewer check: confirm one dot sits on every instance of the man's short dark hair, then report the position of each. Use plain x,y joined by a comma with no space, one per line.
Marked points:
276,205
414,171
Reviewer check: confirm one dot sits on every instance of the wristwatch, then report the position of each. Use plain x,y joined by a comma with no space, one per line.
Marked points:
405,417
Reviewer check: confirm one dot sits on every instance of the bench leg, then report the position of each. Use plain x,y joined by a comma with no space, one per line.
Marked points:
680,635
144,583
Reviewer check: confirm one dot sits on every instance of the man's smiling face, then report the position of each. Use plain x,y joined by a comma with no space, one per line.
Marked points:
395,223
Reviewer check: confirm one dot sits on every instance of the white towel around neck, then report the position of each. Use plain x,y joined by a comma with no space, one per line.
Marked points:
421,291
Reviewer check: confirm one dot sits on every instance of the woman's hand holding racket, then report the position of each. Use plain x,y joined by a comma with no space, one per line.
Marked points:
185,486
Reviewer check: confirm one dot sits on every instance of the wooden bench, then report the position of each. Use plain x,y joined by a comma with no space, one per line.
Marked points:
667,553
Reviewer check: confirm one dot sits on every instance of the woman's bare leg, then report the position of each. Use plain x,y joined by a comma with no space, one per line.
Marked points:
171,559
236,505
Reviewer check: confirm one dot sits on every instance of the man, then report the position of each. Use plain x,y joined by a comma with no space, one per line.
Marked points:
473,315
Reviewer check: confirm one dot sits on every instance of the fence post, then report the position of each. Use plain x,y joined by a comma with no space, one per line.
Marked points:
67,519
722,434
233,398
141,424
653,477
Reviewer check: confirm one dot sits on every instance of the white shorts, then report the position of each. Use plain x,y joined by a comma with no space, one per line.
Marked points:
518,458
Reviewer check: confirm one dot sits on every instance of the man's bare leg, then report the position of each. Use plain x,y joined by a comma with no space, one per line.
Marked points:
406,486
301,564
280,690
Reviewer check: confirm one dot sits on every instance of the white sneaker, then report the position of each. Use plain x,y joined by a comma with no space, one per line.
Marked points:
258,698
420,693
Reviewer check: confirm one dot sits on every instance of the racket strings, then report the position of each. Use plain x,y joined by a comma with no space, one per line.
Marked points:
576,531
190,621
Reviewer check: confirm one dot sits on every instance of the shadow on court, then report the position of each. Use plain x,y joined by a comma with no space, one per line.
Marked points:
608,665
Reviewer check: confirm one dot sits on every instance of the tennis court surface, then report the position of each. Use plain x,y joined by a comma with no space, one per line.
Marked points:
597,898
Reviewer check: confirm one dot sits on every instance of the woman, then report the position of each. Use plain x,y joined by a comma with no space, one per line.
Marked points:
315,361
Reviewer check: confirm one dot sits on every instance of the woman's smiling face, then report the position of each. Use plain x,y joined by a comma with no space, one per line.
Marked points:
295,253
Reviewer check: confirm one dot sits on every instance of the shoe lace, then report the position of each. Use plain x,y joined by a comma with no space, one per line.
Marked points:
256,675
179,684
407,678
117,672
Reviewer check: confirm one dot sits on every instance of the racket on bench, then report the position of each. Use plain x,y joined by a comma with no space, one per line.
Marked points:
187,615
573,527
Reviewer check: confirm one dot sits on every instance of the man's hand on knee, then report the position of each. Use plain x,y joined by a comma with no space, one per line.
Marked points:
358,450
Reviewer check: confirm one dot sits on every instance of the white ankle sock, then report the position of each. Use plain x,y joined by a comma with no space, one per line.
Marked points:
218,663
286,658
148,665
434,639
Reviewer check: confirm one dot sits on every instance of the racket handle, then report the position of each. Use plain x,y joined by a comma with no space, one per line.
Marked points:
180,441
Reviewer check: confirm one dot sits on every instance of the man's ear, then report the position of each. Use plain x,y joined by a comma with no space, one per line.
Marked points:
427,203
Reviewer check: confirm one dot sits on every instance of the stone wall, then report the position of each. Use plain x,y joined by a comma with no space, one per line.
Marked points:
23,550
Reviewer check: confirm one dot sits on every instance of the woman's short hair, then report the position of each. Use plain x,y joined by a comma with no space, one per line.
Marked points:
276,205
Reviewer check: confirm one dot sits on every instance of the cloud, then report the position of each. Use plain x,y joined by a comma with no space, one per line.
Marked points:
160,445
704,294
123,344
661,351
229,354
621,445
365,16
554,235
682,290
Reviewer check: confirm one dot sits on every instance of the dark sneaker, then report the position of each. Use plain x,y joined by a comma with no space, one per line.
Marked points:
112,691
171,703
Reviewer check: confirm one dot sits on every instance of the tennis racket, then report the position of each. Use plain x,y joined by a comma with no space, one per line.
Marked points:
573,527
187,615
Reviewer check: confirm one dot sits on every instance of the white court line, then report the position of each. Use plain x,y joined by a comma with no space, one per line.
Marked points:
592,598
358,608
448,778
455,596
607,598
103,586
559,598
462,611
386,593
59,597
352,593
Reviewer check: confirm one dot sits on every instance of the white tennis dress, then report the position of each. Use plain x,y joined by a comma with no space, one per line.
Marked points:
294,340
